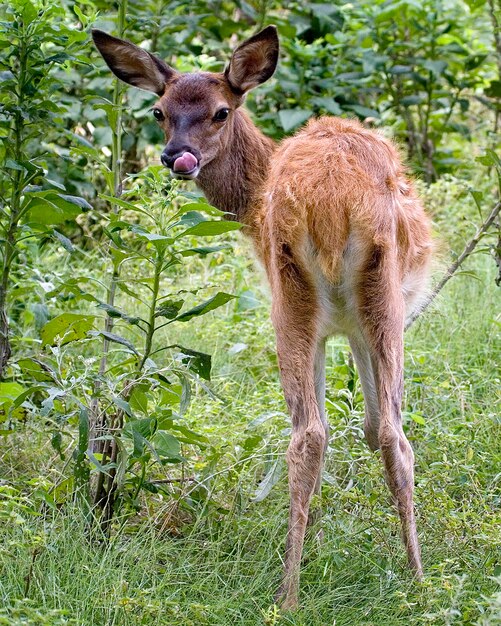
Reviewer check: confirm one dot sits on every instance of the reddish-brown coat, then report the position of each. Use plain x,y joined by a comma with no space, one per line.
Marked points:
346,246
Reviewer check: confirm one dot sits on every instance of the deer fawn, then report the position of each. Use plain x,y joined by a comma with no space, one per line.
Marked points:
344,240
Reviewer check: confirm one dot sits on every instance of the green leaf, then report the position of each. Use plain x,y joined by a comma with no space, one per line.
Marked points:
10,391
494,89
67,326
44,211
139,400
269,481
167,446
210,228
198,362
169,309
215,302
64,241
37,370
123,405
435,67
292,118
417,417
407,101
189,436
83,429
204,250
400,69
191,218
201,206
76,200
362,111
116,339
328,104
116,313
146,427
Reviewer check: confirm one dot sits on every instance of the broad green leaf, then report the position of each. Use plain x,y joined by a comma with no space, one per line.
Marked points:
189,436
210,228
362,111
117,339
145,427
292,118
204,250
37,370
10,391
139,400
200,206
435,67
407,101
169,309
216,301
114,312
191,218
122,404
167,446
329,104
76,200
64,241
67,326
45,211
198,362
247,301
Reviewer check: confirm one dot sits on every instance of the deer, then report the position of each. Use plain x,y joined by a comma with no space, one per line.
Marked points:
344,240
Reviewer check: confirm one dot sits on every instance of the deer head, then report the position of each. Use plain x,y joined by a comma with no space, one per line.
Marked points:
195,110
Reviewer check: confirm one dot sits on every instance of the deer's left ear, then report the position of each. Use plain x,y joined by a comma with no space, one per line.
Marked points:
254,61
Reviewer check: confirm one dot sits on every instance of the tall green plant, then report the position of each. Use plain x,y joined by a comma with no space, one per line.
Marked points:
142,394
30,203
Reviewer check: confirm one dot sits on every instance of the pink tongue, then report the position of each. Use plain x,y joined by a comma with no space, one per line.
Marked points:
185,163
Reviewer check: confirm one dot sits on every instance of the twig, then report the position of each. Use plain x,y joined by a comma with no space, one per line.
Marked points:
469,248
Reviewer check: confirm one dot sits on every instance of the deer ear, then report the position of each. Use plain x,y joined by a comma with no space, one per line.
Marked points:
254,61
132,64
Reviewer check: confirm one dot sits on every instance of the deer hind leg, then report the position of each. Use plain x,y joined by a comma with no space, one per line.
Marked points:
363,361
294,318
382,314
315,512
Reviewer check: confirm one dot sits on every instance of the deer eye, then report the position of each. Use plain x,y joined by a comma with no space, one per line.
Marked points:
158,115
221,115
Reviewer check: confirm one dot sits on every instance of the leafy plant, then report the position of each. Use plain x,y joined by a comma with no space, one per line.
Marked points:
31,203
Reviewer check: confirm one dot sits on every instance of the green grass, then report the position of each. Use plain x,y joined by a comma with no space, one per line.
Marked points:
218,562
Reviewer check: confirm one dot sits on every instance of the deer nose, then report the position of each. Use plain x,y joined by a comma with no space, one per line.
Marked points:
180,159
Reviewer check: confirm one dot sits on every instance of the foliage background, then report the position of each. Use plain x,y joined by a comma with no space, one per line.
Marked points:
195,529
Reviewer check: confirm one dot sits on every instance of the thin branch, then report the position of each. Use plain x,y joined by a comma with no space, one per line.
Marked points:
452,269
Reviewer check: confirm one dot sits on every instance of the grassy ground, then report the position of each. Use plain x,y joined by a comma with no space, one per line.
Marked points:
222,565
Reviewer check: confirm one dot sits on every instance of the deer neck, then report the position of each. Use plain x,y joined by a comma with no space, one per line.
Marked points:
234,180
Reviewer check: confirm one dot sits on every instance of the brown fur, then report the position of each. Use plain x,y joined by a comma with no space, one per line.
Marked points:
346,247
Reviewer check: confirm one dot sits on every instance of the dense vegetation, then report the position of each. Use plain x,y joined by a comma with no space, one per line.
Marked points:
142,474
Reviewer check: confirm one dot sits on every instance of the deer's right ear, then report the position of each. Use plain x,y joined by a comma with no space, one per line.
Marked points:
132,64
254,61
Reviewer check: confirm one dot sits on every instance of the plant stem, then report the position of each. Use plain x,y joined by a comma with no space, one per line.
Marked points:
98,418
154,298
